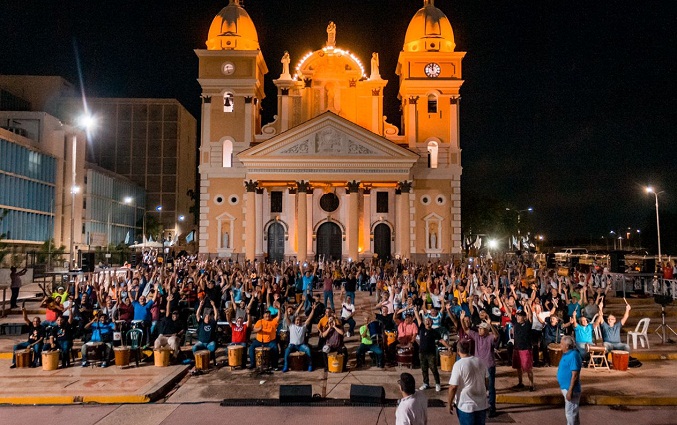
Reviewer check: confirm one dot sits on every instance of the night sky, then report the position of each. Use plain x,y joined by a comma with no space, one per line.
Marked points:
567,107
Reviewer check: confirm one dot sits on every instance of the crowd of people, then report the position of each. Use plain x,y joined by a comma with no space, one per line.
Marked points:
513,303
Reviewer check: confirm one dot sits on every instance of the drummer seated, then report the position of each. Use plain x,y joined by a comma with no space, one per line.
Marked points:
371,339
266,332
36,337
611,329
102,332
239,332
297,336
407,332
206,330
333,337
171,331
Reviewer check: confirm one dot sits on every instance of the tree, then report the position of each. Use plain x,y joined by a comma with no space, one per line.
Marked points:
49,253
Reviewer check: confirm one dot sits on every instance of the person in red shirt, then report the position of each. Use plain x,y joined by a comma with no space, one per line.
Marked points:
239,329
266,334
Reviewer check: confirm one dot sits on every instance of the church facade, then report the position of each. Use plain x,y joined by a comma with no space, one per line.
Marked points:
329,178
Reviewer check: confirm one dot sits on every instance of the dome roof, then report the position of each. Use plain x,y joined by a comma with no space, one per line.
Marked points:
232,29
429,30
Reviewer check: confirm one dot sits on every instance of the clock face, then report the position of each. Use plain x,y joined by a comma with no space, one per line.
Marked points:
228,68
432,70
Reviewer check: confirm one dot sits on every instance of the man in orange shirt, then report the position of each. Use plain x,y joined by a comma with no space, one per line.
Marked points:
266,332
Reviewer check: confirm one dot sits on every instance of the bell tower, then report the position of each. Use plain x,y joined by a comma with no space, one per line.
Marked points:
429,69
231,73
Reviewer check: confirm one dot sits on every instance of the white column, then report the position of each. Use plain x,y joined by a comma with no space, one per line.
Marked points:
259,221
411,130
248,119
250,227
290,209
366,222
302,221
353,189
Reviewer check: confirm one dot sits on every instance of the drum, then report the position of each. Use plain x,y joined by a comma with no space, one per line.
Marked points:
391,337
161,357
262,358
555,353
23,358
121,356
50,360
405,356
447,360
235,353
94,351
202,360
335,363
297,361
283,336
620,360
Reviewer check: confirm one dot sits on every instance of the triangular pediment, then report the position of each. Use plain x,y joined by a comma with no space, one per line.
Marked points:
328,139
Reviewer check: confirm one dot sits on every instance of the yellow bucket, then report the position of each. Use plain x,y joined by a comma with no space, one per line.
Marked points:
447,360
335,362
121,356
161,357
50,360
235,355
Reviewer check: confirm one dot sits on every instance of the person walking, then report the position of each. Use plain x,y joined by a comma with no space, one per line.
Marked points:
413,406
568,377
467,388
428,339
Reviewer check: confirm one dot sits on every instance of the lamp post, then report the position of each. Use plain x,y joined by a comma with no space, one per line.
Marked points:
519,219
650,189
128,200
85,122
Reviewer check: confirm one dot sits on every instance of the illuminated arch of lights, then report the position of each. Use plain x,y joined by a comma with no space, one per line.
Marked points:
331,51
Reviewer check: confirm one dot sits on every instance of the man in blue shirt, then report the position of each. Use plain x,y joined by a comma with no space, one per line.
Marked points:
568,377
102,332
583,332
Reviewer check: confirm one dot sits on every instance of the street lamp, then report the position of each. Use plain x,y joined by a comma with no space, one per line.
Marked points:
650,189
85,122
519,219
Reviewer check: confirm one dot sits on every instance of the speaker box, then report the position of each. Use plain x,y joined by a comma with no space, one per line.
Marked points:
649,265
367,394
617,262
550,261
296,393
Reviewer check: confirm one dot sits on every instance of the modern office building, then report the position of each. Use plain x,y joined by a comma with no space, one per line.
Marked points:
330,177
150,142
153,143
113,207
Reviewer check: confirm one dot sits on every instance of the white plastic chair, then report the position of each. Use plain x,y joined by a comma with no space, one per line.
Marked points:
640,332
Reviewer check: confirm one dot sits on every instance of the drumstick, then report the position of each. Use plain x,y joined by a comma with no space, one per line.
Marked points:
626,301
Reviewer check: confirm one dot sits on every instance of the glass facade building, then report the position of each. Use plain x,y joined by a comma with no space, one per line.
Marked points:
27,193
113,207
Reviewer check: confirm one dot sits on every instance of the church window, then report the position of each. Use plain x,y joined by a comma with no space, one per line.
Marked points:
432,104
228,102
276,202
432,154
381,202
227,154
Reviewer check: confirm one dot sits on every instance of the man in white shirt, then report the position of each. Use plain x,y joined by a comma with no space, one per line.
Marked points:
467,388
347,313
413,406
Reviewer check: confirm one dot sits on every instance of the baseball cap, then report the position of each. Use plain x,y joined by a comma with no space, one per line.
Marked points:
484,325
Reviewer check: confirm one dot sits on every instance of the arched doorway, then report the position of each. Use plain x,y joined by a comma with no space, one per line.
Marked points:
382,241
275,243
329,241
